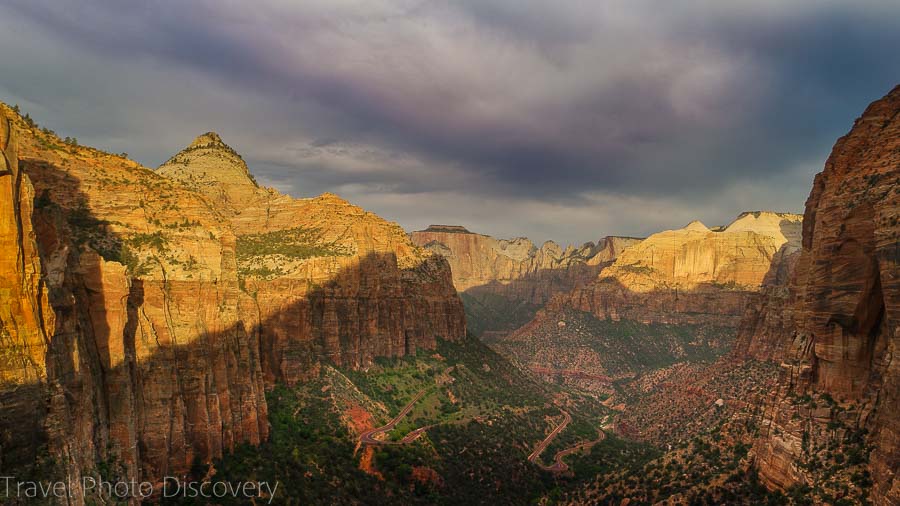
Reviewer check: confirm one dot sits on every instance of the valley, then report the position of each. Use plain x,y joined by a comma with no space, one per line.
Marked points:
187,321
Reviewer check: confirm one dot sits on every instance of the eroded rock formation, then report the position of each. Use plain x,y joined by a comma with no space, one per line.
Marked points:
176,297
516,268
845,297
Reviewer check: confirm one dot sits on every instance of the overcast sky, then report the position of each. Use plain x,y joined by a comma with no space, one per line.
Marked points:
554,119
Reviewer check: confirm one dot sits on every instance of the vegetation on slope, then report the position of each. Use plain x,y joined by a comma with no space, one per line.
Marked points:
263,255
483,415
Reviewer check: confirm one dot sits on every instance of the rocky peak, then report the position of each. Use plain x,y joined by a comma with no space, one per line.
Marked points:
208,139
784,226
213,168
697,226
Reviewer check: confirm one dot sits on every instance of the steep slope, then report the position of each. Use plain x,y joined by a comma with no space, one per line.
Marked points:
840,382
180,296
26,320
576,348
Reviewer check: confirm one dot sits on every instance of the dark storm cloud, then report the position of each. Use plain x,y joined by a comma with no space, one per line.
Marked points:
512,115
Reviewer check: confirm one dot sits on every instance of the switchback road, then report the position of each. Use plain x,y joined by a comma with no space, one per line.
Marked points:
558,465
368,437
539,449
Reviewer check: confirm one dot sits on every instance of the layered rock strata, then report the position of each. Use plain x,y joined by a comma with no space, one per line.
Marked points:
516,268
692,275
26,320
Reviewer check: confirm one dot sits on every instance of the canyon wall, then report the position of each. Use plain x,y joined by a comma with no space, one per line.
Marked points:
677,296
26,322
692,275
150,310
845,300
516,268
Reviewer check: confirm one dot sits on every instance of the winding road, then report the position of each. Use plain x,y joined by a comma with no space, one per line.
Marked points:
368,437
539,449
558,465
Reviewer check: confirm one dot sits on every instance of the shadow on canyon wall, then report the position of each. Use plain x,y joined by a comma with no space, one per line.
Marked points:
495,309
126,391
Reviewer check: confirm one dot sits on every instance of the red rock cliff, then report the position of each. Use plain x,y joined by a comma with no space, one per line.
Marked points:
845,297
26,321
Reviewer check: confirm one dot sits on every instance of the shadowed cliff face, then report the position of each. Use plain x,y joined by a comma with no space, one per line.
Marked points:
170,321
516,268
504,282
845,296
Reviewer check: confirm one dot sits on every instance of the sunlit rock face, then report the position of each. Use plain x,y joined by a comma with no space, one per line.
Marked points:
516,268
844,299
694,274
148,311
26,320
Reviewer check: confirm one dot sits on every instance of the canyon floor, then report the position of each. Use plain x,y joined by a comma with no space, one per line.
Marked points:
462,425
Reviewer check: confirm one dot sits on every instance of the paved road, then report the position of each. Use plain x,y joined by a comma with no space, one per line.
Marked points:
368,437
558,465
539,449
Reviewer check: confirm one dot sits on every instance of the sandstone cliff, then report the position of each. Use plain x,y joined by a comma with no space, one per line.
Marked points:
516,268
840,383
26,322
693,274
176,297
504,282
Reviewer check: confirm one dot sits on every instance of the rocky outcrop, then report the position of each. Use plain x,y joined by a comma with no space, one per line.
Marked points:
212,168
845,298
766,325
181,295
693,274
516,268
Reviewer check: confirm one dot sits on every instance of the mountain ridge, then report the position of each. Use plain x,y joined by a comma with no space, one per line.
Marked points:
172,306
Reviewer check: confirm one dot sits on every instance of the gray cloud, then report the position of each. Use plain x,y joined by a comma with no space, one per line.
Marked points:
564,119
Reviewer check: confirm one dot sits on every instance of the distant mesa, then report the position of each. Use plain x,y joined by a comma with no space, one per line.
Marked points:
516,268
447,229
